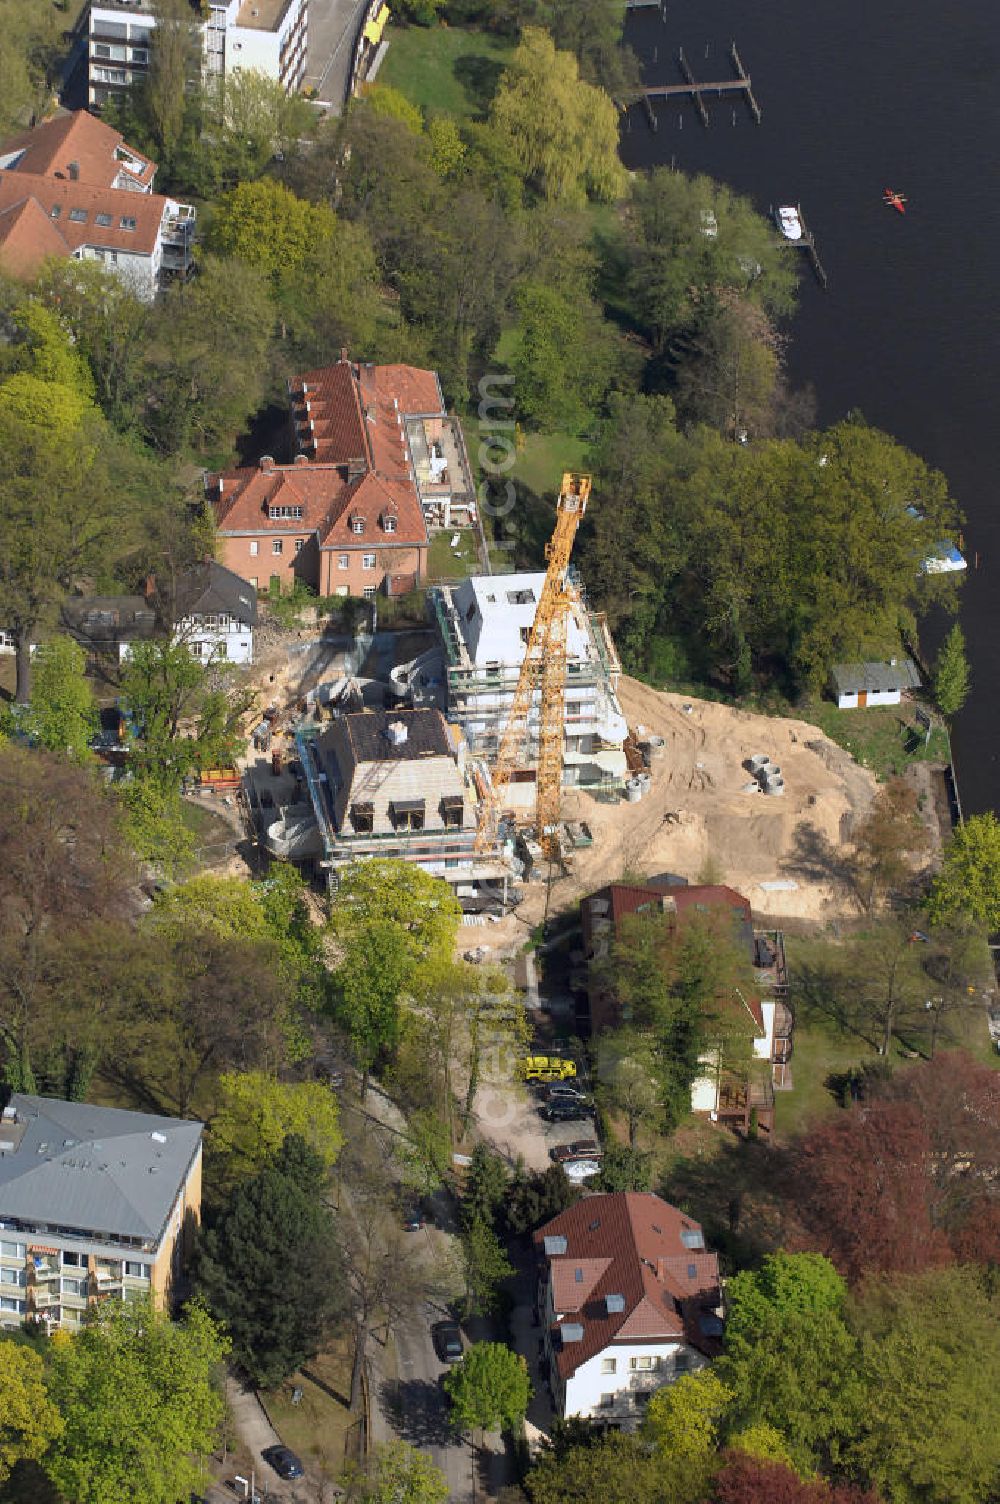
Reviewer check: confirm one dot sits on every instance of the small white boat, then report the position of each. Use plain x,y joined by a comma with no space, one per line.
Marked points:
789,222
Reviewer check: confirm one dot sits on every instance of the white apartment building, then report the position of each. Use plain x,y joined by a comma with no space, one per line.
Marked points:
484,625
266,35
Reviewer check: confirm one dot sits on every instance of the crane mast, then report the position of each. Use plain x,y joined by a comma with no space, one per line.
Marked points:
542,676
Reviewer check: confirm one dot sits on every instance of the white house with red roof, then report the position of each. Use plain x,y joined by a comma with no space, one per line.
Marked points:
72,187
628,1299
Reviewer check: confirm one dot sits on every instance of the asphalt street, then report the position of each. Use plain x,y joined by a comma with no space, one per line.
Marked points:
333,26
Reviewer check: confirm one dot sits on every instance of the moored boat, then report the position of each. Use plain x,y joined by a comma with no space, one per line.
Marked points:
789,221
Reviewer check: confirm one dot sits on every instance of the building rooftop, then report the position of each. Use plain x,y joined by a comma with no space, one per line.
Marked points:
628,1267
875,678
495,615
211,589
97,1170
262,15
396,735
77,146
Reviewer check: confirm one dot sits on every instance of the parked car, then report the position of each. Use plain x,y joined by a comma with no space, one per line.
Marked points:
413,1217
447,1338
564,1110
581,1169
580,1148
564,1091
284,1461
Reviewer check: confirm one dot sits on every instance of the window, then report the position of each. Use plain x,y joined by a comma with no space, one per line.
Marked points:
136,1271
357,524
6,1304
276,546
453,812
56,210
12,1276
343,561
369,592
12,1250
288,513
607,1402
298,545
388,523
102,219
367,561
253,581
408,814
609,1365
221,650
74,1287
78,216
254,548
74,1260
363,817
127,222
643,1364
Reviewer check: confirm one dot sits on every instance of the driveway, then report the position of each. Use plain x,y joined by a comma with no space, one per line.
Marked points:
508,1118
333,26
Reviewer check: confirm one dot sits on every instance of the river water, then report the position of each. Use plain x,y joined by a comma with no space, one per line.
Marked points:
856,96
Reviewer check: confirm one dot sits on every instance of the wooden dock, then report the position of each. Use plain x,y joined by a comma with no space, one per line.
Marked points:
695,91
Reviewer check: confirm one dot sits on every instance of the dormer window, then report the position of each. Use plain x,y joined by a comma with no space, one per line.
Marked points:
127,222
388,522
357,523
284,514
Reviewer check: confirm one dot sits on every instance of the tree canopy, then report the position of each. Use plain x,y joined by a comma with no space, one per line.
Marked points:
489,1388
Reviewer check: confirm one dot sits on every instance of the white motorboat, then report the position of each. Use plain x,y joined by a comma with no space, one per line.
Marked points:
789,221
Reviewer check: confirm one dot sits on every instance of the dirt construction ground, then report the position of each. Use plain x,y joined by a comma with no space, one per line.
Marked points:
699,818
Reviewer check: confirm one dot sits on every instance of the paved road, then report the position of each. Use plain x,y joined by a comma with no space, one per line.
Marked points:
333,26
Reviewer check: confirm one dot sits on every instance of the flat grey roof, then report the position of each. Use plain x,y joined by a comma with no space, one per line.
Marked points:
875,678
99,1169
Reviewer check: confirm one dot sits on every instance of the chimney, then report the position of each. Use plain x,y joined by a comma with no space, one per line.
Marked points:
343,355
222,484
302,459
397,733
267,463
355,469
74,171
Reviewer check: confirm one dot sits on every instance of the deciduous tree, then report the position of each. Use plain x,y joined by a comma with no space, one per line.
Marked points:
63,713
931,1363
139,1403
615,1467
751,1480
969,880
258,1112
683,1420
29,1421
563,131
398,1473
489,1388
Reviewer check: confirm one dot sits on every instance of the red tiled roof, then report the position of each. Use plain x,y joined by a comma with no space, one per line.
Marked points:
356,412
328,500
27,238
637,1238
570,1292
49,149
146,209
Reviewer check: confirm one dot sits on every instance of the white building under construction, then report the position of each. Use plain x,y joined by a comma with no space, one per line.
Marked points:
484,624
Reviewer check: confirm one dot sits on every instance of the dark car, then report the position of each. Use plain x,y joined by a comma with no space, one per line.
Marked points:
581,1148
284,1461
413,1217
563,1110
447,1337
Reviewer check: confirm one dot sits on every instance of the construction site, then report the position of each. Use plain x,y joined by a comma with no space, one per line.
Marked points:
504,750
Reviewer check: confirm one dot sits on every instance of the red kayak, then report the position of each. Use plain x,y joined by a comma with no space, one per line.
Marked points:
894,200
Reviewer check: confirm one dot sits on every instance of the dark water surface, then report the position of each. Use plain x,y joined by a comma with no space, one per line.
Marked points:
859,95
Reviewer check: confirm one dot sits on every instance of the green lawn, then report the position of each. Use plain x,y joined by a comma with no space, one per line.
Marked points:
884,738
446,563
446,69
320,1427
539,458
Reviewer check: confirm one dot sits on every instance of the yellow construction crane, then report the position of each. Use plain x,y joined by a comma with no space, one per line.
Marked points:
543,670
